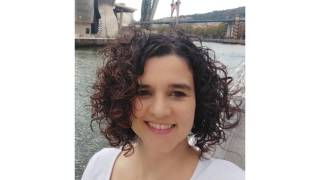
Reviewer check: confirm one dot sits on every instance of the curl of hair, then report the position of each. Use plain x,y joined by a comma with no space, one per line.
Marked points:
116,87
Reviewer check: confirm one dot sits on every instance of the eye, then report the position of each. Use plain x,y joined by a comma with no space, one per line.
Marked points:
143,92
178,94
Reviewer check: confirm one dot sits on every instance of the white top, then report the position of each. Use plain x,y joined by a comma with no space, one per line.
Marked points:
101,164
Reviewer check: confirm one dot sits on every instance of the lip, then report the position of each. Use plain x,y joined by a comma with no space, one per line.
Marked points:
159,131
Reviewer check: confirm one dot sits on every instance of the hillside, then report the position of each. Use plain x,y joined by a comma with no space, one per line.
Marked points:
227,14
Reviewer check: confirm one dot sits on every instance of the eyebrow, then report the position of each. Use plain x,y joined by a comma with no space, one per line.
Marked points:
180,86
143,86
174,86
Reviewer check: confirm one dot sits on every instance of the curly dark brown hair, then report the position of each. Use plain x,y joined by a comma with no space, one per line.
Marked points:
116,87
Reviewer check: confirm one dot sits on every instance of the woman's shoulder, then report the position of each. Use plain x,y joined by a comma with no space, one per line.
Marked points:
100,163
106,153
218,169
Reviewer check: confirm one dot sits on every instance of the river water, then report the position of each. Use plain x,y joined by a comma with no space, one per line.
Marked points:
88,142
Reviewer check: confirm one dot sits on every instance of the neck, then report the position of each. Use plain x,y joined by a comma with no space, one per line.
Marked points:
146,154
160,163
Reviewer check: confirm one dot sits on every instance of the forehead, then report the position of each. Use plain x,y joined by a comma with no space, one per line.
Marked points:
166,69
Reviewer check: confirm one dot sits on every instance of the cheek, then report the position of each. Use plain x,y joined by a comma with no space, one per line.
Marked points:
137,107
186,113
137,116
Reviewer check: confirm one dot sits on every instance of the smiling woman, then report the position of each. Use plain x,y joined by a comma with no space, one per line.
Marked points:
164,111
153,93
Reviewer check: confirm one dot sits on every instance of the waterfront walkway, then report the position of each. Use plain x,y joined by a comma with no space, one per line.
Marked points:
227,41
91,41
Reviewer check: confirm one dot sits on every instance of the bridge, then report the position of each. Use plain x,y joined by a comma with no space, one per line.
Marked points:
232,24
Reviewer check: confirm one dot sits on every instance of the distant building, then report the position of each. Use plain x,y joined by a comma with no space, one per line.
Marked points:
100,18
83,16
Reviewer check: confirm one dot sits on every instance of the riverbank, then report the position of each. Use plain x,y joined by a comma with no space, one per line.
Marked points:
226,41
91,41
96,42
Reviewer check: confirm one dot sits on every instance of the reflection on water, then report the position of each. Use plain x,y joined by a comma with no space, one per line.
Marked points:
86,63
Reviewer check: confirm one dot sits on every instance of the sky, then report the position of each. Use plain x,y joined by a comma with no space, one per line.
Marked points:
187,7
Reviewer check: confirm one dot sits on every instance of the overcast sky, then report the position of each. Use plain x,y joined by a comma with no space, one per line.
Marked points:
187,6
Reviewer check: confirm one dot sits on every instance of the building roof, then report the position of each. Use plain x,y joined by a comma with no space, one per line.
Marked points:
120,7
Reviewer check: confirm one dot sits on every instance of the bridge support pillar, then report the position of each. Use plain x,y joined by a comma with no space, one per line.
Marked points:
229,30
236,28
148,9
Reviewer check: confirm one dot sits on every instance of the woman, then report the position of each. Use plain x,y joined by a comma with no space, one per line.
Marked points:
165,103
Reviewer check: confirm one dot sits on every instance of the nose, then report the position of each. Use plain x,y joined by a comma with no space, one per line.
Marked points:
160,107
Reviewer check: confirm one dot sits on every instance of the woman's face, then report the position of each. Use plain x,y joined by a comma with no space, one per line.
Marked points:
165,106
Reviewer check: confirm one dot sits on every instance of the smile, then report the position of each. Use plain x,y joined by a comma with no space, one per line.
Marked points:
161,129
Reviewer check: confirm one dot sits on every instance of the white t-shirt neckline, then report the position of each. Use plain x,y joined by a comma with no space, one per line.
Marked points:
118,152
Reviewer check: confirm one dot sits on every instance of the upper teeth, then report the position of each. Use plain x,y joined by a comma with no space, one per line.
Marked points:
160,126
